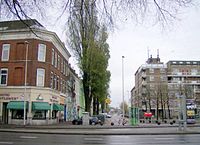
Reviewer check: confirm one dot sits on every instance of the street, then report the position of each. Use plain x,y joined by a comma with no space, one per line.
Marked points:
54,139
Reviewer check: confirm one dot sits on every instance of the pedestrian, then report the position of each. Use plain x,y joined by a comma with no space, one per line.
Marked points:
119,121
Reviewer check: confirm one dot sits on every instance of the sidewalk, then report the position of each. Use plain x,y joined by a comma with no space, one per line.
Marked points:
145,129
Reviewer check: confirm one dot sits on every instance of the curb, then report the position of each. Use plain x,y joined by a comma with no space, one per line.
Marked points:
98,133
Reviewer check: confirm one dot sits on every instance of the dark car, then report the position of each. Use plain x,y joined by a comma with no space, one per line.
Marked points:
94,120
77,121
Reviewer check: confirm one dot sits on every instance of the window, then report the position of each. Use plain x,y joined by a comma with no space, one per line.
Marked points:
41,52
18,114
151,70
151,78
54,112
57,85
61,85
51,83
40,77
152,86
63,66
162,70
5,52
56,59
58,62
52,57
163,78
64,84
54,81
39,114
3,76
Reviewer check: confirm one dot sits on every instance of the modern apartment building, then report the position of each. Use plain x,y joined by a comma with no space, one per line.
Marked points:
184,78
158,87
34,74
150,80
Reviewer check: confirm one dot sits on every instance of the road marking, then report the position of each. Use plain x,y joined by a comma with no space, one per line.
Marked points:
93,139
159,138
29,137
117,143
6,142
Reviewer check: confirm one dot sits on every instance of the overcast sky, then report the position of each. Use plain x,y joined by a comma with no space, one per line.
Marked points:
178,42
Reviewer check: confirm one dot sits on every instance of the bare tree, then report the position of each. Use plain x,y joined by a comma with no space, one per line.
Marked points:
109,11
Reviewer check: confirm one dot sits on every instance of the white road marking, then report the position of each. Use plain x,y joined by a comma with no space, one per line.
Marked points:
2,142
117,143
93,139
29,137
160,138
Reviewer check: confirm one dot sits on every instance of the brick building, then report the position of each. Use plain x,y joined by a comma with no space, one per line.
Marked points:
34,74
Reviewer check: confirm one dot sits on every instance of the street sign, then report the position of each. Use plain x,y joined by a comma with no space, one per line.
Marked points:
108,101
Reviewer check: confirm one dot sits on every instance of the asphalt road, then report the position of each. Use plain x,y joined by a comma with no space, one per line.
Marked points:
53,139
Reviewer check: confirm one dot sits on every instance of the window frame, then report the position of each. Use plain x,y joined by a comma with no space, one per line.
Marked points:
38,83
3,69
53,57
41,54
5,47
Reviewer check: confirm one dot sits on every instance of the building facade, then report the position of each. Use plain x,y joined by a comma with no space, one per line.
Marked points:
184,78
34,74
158,87
150,81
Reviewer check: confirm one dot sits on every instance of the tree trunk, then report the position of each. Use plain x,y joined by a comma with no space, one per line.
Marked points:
87,94
94,106
157,107
161,100
97,106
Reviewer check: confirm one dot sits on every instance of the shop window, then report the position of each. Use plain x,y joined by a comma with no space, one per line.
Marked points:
5,52
3,76
40,114
41,52
54,112
40,77
18,114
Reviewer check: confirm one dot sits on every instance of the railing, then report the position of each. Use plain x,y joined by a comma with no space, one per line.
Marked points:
183,74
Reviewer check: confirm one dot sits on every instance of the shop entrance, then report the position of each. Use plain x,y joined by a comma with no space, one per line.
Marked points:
5,113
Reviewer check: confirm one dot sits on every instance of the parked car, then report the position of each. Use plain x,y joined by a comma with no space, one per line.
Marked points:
77,121
101,117
108,116
94,120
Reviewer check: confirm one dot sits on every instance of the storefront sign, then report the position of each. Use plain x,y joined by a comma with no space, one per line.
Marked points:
62,100
4,97
54,99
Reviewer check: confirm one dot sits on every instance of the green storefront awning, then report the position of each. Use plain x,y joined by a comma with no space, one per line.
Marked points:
40,106
58,107
17,105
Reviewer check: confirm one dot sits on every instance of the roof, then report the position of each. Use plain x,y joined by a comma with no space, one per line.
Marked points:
17,24
183,62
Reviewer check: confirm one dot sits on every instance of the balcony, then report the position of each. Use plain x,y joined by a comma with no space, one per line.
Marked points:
184,74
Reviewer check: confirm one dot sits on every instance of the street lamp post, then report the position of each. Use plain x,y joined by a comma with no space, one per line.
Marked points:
25,81
123,85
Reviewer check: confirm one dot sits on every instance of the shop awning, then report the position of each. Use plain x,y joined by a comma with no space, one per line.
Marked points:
17,105
58,107
40,106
